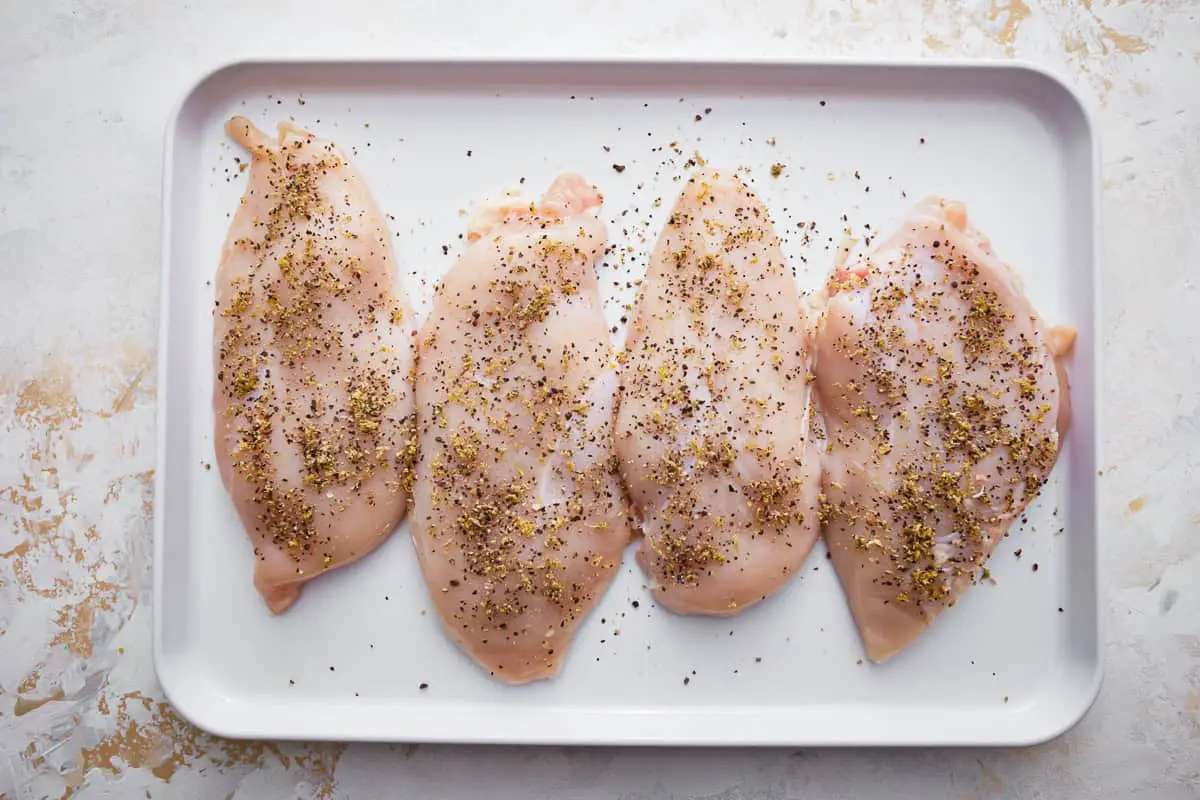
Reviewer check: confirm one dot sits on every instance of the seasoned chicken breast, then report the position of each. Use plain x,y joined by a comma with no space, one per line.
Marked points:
519,520
313,356
945,408
713,425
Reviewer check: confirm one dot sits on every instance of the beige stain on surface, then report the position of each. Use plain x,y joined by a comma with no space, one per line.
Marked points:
26,704
23,572
1122,43
61,554
75,620
29,682
48,400
75,629
127,398
1135,505
140,732
148,734
1014,12
1125,43
134,745
1073,44
1106,39
935,45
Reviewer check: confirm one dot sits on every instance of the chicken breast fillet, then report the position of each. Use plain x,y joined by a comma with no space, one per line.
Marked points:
945,409
519,517
313,393
713,425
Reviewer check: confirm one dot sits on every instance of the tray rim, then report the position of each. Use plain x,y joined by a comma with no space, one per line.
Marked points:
206,716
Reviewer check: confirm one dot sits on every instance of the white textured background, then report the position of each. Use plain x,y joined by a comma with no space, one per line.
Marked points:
85,90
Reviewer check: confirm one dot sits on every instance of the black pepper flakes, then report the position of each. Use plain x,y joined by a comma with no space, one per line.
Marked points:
957,408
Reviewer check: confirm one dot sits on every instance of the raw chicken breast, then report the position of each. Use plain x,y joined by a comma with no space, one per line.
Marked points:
519,520
944,406
713,423
313,358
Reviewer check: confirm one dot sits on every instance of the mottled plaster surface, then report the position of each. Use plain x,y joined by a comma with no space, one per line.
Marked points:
85,90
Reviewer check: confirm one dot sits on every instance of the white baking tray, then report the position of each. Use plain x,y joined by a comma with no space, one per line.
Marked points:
1013,663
